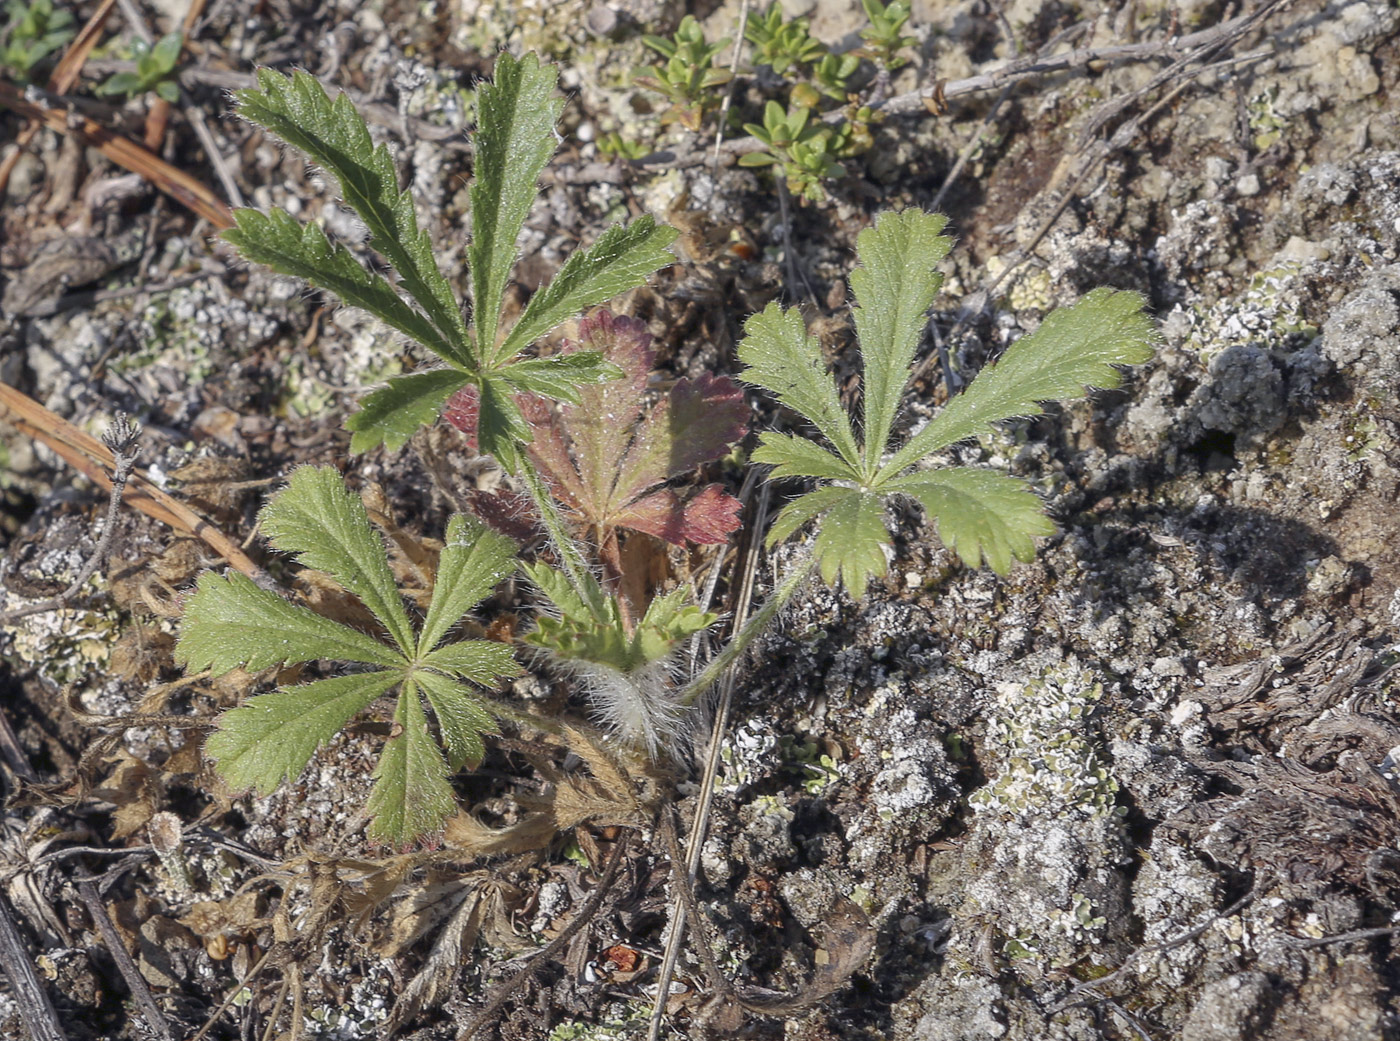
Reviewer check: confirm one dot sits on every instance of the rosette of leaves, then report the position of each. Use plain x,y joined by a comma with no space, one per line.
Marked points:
689,75
803,149
608,457
606,461
781,44
438,718
982,515
884,37
514,140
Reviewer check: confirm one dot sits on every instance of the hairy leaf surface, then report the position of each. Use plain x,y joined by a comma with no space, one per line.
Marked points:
785,361
230,623
298,110
326,527
1074,348
981,514
272,738
516,113
393,414
620,260
411,796
461,718
473,562
894,287
289,247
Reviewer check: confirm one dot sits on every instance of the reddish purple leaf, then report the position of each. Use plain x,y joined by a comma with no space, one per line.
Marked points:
602,456
697,422
462,410
706,519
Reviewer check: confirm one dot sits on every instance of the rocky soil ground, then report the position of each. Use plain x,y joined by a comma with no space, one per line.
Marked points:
1143,787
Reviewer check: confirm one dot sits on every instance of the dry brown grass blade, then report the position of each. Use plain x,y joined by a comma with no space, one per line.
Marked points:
180,186
93,459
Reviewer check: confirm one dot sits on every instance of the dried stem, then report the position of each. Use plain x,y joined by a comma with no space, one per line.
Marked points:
120,439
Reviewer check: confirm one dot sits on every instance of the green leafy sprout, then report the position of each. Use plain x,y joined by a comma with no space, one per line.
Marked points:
689,76
155,70
33,31
803,149
884,38
585,480
781,45
231,623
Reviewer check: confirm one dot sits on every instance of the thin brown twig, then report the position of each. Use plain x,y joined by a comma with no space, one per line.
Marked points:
35,1009
155,1019
1157,948
741,599
1309,942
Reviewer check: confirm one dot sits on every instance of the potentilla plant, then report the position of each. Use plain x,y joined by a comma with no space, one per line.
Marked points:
593,456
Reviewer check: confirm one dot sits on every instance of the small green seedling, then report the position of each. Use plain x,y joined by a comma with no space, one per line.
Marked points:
689,77
801,148
231,623
33,31
831,76
884,38
782,45
155,70
613,145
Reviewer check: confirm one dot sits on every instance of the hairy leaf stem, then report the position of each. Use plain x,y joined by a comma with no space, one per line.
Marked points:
794,580
575,567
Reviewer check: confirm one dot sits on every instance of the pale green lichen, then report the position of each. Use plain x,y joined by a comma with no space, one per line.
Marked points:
65,645
1268,314
1048,757
1032,289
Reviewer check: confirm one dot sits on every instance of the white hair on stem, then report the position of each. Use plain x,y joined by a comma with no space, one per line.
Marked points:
638,707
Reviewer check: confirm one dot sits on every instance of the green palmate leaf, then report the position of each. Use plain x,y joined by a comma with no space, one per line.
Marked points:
326,526
461,719
1074,348
411,796
561,376
851,541
484,662
280,241
620,260
516,114
981,514
393,414
332,133
894,287
797,457
274,736
472,563
805,508
784,360
230,623
500,428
